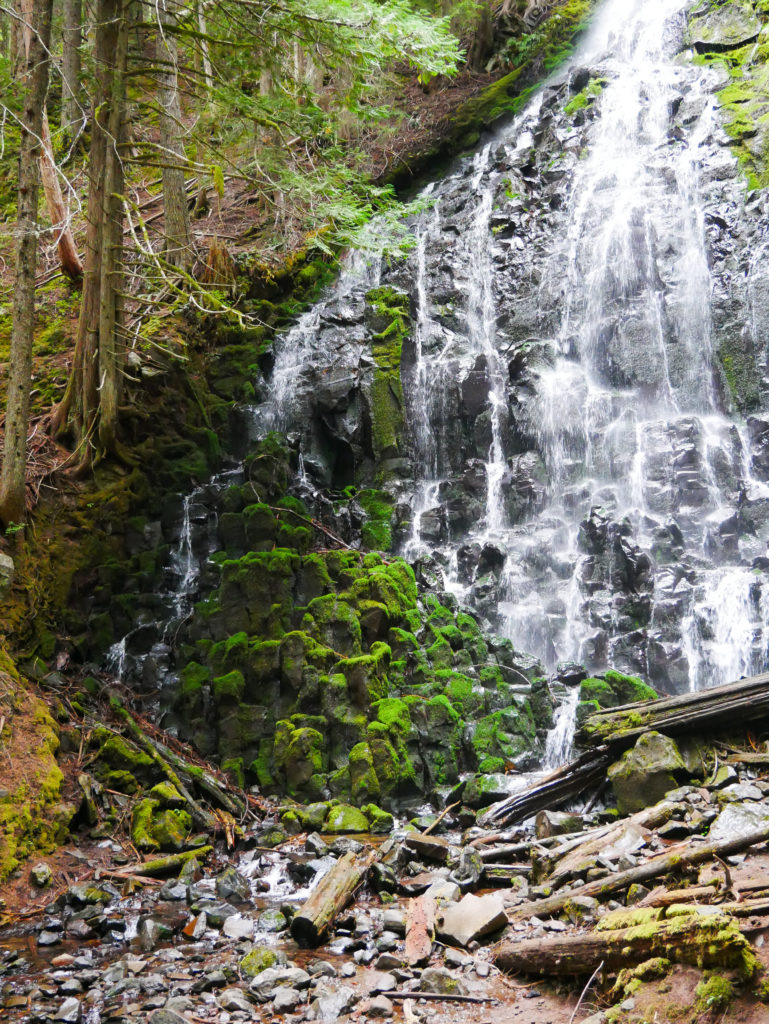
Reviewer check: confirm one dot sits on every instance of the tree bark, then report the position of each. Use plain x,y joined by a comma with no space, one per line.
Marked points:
330,897
14,468
57,209
72,114
704,941
179,248
89,409
570,780
722,707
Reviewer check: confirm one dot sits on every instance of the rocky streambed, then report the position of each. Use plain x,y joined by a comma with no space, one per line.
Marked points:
663,906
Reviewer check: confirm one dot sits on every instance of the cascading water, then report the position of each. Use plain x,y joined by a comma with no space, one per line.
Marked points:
569,470
574,471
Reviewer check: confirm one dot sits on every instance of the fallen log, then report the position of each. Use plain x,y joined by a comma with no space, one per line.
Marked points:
570,780
420,929
681,856
722,707
164,865
439,996
562,864
704,940
332,894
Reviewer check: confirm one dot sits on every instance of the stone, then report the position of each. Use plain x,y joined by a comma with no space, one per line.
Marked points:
264,985
557,823
238,927
724,27
738,792
48,938
483,790
167,1016
388,962
379,1006
379,981
152,932
272,921
286,1000
471,918
235,999
343,819
648,771
40,875
69,1011
443,889
441,982
260,959
739,819
230,884
331,1003
7,571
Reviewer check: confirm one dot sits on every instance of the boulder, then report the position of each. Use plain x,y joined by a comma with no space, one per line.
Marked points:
738,819
646,773
471,918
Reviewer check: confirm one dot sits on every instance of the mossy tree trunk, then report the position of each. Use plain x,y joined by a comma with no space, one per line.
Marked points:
89,410
13,475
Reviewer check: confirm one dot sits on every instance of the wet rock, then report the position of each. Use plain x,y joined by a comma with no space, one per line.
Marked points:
217,913
738,792
315,845
48,938
272,921
557,823
471,918
441,982
230,884
152,932
483,790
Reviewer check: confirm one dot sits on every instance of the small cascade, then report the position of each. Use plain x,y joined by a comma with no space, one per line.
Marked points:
560,739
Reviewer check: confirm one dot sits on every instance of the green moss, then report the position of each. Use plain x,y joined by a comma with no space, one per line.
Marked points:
715,993
377,529
228,689
344,819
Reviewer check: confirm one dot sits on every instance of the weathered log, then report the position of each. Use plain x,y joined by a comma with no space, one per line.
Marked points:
704,940
420,928
583,851
722,707
570,780
512,851
165,865
682,856
329,898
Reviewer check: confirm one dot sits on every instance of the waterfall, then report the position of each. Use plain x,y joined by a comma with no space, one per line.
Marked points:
574,467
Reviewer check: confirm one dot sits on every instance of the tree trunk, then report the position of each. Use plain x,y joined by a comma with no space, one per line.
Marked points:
333,893
722,707
72,114
179,250
89,408
57,210
13,474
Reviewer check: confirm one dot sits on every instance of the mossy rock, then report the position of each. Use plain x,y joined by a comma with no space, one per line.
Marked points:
261,958
646,773
343,819
380,822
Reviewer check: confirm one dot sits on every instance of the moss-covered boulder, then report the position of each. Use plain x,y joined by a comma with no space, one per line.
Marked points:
343,819
644,774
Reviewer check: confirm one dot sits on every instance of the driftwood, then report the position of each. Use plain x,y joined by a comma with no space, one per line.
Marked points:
420,928
711,940
555,789
722,707
330,897
434,824
682,856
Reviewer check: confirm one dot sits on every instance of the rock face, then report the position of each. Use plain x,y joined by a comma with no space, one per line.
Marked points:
646,773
